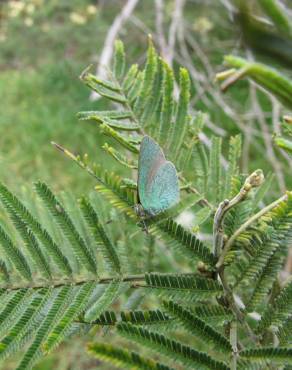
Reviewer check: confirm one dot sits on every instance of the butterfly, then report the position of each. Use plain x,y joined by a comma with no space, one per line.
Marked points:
158,186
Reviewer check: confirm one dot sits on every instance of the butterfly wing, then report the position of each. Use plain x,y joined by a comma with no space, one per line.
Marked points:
163,191
157,178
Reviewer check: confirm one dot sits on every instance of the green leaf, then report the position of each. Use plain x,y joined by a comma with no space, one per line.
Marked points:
130,78
279,221
277,14
12,308
22,324
119,157
151,318
214,175
111,115
82,252
233,158
4,274
102,240
111,186
179,127
14,255
103,301
267,77
183,240
148,80
266,280
61,328
284,355
186,287
277,312
283,143
195,326
13,203
212,313
123,358
119,60
285,332
56,308
107,318
167,103
31,245
177,351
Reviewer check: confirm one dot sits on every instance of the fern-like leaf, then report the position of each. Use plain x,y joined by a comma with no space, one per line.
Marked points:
12,202
185,287
177,351
214,175
279,310
198,327
278,221
284,355
103,301
14,255
184,241
56,308
119,60
61,328
285,333
83,253
123,358
32,246
11,341
151,318
12,308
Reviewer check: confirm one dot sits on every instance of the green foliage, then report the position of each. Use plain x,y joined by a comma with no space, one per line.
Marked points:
172,349
269,78
262,354
183,240
185,287
101,238
198,327
123,358
267,246
273,9
279,310
83,254
14,206
68,267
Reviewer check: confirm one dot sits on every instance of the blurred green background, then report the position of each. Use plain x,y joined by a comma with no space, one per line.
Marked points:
45,45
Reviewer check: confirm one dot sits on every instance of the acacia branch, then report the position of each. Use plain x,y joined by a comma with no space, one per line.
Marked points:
244,226
60,283
254,180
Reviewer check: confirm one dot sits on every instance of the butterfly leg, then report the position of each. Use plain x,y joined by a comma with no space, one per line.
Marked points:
145,227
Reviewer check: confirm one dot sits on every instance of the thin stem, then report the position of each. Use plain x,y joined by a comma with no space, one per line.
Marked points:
253,180
233,342
230,299
233,78
218,232
244,226
77,161
57,284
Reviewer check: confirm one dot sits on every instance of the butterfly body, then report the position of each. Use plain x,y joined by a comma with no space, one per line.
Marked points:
158,186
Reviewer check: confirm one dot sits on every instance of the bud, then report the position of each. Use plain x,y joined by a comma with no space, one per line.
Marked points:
254,180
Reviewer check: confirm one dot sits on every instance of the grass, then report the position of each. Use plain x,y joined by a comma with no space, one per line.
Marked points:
37,107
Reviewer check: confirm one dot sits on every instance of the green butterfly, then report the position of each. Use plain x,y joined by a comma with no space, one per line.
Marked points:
158,186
